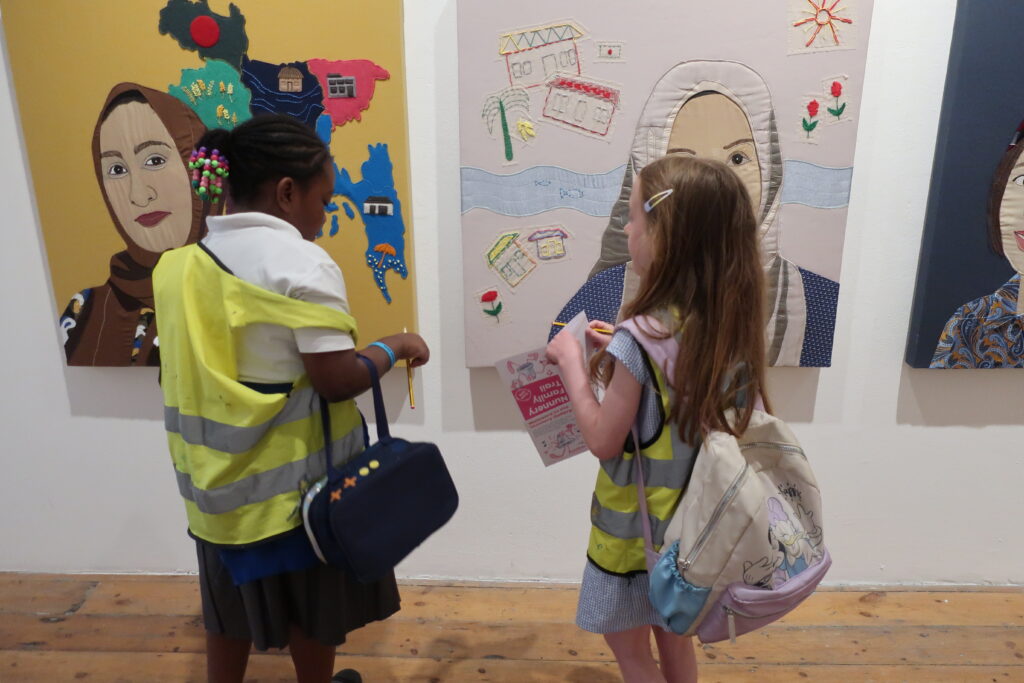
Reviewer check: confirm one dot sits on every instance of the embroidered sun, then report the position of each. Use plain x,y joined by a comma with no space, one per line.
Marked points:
822,16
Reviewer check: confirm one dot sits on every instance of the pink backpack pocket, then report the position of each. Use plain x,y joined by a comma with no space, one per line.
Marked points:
741,608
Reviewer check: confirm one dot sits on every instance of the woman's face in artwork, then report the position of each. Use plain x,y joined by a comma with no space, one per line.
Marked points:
712,126
1011,217
144,178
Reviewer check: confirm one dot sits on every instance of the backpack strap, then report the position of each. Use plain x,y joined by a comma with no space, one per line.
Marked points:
662,352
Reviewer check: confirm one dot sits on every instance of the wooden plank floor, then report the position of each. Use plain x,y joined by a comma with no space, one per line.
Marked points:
147,628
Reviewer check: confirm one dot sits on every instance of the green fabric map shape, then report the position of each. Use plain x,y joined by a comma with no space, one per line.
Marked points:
214,92
230,43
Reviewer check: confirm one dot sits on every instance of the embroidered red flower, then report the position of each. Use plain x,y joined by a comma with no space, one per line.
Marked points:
490,297
809,123
837,91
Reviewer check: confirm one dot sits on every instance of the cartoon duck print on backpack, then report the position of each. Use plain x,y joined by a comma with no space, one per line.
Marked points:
796,549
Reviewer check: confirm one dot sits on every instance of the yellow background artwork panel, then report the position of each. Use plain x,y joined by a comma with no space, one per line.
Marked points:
65,56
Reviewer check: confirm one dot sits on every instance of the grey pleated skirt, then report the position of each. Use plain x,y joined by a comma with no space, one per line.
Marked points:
610,603
326,603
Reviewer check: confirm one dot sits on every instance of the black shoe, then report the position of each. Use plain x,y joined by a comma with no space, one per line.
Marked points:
347,676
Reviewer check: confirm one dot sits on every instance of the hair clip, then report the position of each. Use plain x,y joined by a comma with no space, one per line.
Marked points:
1017,135
656,199
208,173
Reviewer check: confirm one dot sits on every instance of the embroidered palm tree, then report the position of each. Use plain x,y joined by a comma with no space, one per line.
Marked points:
498,107
385,250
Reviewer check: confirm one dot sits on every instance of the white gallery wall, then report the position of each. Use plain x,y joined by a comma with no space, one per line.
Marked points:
921,471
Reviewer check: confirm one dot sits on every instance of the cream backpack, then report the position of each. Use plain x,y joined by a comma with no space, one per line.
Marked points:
745,545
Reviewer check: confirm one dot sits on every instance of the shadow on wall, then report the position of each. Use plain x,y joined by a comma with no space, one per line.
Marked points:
793,392
493,407
970,398
126,393
134,394
395,388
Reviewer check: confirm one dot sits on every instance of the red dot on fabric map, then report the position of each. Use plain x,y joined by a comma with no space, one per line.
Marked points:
205,31
609,51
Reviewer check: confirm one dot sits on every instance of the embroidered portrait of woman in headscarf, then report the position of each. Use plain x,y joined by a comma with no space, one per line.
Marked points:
108,143
988,332
721,110
967,311
140,149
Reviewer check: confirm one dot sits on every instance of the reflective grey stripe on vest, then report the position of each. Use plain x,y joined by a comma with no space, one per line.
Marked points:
668,473
201,431
257,488
626,525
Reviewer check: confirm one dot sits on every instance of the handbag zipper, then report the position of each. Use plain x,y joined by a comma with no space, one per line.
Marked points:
305,502
730,493
731,623
731,614
776,446
758,616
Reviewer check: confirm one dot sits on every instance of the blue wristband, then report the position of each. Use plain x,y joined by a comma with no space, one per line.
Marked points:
387,350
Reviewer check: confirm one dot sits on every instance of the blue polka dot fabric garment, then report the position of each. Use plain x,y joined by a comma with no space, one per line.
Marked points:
600,297
822,297
627,350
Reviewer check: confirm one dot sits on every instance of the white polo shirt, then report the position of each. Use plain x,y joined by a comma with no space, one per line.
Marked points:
270,253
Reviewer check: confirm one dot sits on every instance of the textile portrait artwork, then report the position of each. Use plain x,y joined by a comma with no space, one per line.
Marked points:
968,312
557,122
109,161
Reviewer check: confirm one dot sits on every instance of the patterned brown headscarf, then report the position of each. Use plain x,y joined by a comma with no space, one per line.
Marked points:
120,311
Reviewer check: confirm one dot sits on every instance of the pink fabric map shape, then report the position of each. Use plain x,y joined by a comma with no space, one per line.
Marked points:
366,74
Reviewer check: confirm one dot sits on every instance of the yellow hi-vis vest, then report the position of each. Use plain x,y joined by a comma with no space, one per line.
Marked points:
240,456
617,533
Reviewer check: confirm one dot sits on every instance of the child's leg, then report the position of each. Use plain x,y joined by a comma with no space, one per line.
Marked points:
678,659
226,658
314,661
632,651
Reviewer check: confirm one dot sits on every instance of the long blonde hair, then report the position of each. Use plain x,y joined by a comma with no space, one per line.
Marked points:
706,272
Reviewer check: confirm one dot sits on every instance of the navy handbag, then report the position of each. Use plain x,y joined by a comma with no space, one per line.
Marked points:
367,515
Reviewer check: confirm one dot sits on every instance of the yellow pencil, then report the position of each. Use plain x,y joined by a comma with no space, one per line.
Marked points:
408,376
598,330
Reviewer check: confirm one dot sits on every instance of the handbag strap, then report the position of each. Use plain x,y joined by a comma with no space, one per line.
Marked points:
325,419
383,432
380,416
650,555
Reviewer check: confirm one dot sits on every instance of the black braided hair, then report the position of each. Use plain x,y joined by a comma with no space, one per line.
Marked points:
267,147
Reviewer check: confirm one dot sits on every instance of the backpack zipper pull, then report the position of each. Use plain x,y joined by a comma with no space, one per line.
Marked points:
731,621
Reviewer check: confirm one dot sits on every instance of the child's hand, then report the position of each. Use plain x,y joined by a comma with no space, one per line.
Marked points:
413,349
598,340
564,348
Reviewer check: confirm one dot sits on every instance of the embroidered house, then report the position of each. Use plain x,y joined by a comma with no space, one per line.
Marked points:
510,260
586,106
378,206
550,243
534,55
289,79
339,86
